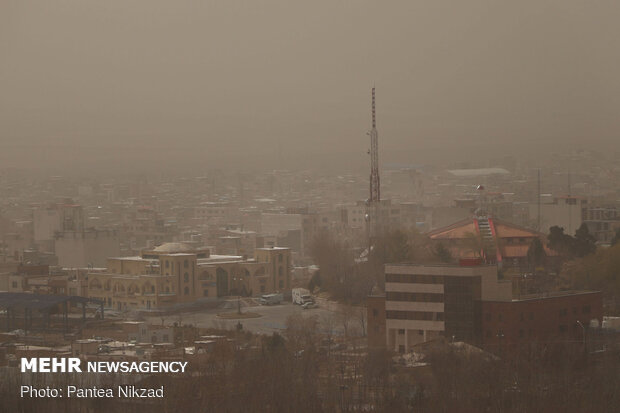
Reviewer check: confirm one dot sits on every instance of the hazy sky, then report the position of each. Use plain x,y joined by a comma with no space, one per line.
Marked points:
287,83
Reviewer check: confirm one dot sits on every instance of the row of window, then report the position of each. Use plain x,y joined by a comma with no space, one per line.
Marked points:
417,297
185,264
401,332
414,278
413,315
132,289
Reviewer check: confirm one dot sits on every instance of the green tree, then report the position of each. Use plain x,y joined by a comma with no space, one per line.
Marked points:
561,242
336,264
536,254
597,271
392,247
584,243
442,253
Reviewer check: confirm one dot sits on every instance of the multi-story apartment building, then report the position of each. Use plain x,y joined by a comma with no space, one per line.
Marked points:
602,222
561,211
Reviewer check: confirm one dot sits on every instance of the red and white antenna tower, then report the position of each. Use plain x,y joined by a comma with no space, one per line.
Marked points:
375,189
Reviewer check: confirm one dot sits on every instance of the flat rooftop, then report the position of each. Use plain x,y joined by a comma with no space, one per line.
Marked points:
553,294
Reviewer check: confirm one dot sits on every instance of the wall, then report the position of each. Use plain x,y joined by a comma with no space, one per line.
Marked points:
507,325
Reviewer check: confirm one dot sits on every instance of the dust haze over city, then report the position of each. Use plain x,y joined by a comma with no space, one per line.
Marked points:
213,82
309,206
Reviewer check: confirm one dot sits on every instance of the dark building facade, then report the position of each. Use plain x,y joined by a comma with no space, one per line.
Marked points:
556,317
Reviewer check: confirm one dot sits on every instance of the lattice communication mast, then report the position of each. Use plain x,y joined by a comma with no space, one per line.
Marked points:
375,188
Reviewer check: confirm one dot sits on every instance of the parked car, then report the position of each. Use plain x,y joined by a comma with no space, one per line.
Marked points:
271,299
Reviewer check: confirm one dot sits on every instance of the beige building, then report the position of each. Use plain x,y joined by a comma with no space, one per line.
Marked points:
175,273
423,302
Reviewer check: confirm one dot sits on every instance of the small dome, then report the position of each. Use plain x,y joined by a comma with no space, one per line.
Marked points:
173,247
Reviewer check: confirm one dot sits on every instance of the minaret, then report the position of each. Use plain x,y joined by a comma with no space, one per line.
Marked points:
375,191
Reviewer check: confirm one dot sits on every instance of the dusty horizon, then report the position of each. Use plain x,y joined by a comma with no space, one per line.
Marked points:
151,85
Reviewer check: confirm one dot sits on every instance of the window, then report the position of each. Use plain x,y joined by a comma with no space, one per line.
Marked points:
401,331
279,257
186,277
185,264
167,264
205,293
563,328
412,315
419,297
420,332
563,312
281,284
186,291
14,284
375,312
413,278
